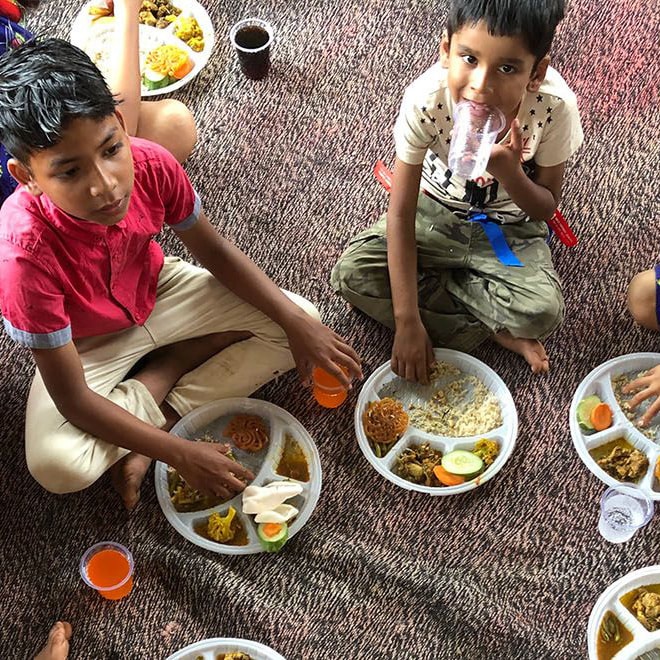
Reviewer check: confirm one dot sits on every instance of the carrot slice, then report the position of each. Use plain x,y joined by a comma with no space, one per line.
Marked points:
447,478
183,69
601,417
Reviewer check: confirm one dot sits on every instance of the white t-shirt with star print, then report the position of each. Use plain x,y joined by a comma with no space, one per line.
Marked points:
551,133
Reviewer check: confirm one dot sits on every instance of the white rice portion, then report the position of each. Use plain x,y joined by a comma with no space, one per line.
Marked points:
463,407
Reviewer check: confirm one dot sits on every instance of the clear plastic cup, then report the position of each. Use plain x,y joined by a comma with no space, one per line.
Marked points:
108,568
623,510
252,39
476,127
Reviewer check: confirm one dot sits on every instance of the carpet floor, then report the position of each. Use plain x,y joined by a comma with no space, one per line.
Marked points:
283,166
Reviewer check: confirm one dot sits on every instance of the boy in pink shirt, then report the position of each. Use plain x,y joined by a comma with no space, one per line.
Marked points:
87,289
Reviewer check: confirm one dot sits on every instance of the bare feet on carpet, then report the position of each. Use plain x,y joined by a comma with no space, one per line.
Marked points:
57,646
127,476
531,349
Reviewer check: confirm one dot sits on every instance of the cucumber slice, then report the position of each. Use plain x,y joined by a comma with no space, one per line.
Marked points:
153,80
584,411
463,463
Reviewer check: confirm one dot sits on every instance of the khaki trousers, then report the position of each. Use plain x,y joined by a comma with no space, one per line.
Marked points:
190,302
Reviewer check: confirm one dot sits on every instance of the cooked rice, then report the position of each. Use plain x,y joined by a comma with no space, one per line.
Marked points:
463,407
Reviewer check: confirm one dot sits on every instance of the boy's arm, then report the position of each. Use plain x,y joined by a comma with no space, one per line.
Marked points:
538,198
311,342
202,464
124,77
412,352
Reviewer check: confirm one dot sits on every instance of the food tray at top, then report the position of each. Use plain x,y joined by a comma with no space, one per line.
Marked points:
384,381
212,418
635,639
599,382
94,37
211,649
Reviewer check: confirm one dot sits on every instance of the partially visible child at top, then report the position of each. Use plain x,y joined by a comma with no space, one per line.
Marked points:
86,288
168,121
424,269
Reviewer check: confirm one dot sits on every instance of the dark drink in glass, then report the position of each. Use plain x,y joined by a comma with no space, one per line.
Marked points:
252,39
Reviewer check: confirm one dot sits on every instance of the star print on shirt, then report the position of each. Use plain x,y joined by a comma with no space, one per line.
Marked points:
439,106
433,120
525,127
532,112
549,119
548,110
539,99
448,140
448,118
540,124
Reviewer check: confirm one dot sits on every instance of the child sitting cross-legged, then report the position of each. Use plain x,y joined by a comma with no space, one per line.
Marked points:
86,288
429,267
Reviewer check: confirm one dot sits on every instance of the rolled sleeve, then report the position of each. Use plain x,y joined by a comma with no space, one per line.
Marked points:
32,305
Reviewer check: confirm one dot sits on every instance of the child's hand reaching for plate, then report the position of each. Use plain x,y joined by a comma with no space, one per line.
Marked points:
314,344
206,468
646,386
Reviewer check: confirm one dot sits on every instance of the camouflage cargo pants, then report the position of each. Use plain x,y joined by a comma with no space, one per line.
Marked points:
465,294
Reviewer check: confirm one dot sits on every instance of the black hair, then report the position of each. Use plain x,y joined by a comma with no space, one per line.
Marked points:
44,85
533,20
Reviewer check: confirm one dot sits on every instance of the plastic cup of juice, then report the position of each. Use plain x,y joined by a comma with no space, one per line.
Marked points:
108,568
328,391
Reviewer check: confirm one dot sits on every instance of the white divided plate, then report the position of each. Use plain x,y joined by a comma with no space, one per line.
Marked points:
505,434
95,39
643,641
599,382
212,418
209,649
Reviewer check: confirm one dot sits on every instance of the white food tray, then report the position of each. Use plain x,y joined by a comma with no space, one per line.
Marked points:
643,641
212,418
599,382
94,37
505,434
208,649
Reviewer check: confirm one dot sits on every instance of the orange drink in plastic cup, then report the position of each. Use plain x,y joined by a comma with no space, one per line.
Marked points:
328,391
108,568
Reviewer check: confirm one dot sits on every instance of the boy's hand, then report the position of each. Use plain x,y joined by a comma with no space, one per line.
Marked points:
646,387
205,467
412,352
505,158
315,345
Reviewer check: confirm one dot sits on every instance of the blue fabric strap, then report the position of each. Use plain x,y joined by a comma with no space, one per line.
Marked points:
495,236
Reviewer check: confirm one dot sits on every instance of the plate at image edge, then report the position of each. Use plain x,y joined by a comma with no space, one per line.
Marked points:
592,445
91,36
285,432
213,649
383,382
614,632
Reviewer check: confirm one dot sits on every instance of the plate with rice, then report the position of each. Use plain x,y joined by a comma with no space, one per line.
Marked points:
175,41
445,438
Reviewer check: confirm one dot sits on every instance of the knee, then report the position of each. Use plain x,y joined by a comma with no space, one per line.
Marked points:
304,304
542,319
57,472
173,127
641,299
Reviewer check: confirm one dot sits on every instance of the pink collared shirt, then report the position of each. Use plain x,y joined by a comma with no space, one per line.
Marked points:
63,278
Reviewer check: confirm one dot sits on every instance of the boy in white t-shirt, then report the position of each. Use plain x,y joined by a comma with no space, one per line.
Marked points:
467,259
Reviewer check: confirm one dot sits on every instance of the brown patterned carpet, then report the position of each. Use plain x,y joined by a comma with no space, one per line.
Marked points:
284,166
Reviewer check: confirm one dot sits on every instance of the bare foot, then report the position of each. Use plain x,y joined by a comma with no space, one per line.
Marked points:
127,477
531,349
57,646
